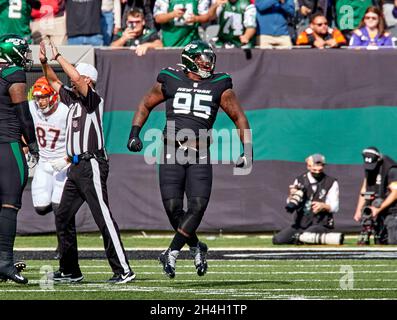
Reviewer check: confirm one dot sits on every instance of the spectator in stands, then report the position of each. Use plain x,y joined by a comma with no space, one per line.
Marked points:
272,18
179,21
320,35
306,8
390,12
146,5
49,22
83,22
15,17
110,19
136,35
237,23
313,198
371,32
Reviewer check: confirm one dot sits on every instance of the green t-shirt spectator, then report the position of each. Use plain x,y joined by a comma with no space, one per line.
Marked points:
233,19
177,33
148,35
15,17
350,12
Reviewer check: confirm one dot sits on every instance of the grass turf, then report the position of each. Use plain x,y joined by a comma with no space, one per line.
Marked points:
248,279
161,240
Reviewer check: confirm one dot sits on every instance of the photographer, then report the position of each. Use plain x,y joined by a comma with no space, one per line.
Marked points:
377,204
136,35
313,198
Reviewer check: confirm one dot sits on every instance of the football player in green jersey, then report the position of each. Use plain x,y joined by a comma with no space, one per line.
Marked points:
15,122
192,97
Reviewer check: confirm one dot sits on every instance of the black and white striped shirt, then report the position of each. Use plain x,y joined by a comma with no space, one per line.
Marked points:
84,121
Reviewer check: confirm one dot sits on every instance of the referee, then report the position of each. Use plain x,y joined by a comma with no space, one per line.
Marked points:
87,173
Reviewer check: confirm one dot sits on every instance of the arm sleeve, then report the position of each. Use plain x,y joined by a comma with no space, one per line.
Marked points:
250,16
65,96
91,101
354,40
392,178
160,6
288,7
332,198
203,6
263,5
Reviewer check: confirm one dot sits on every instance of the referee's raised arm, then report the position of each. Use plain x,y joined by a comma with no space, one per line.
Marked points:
48,72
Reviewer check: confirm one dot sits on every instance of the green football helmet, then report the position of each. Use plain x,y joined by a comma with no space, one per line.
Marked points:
199,58
15,50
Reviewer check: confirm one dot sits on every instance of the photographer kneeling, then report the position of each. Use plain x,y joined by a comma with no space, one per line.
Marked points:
377,204
313,197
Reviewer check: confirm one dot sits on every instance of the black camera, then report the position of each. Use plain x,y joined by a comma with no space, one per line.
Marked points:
297,199
367,221
131,25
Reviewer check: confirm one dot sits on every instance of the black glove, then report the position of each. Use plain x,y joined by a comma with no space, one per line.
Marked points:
134,143
246,158
34,154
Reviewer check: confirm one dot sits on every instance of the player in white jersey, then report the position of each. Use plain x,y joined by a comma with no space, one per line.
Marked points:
49,117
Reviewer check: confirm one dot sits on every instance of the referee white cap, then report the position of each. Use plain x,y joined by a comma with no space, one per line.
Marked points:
88,70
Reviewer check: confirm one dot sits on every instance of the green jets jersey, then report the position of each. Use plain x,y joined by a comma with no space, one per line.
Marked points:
10,130
192,105
15,18
350,12
177,33
234,19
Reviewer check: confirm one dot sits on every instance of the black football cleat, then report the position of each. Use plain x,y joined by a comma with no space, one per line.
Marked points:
199,254
16,277
168,260
122,278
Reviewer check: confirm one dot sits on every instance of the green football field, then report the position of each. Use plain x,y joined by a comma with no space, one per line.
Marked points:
227,279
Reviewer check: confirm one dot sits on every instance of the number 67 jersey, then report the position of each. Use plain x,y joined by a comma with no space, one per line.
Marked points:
50,131
192,104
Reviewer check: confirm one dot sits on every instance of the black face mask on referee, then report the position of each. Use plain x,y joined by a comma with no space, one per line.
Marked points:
88,172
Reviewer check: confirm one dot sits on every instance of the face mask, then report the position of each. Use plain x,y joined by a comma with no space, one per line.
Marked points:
318,176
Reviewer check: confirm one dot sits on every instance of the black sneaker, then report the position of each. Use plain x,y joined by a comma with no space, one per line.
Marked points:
168,260
122,278
199,254
59,276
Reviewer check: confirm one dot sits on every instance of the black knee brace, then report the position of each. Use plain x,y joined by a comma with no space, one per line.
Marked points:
191,221
42,211
174,209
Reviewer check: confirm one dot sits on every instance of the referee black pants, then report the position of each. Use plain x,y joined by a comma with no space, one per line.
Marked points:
87,182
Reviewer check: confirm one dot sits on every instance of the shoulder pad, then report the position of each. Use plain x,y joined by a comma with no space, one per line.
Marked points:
10,70
171,72
220,76
309,31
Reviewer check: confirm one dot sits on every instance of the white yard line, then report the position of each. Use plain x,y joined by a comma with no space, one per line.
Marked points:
276,249
247,272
